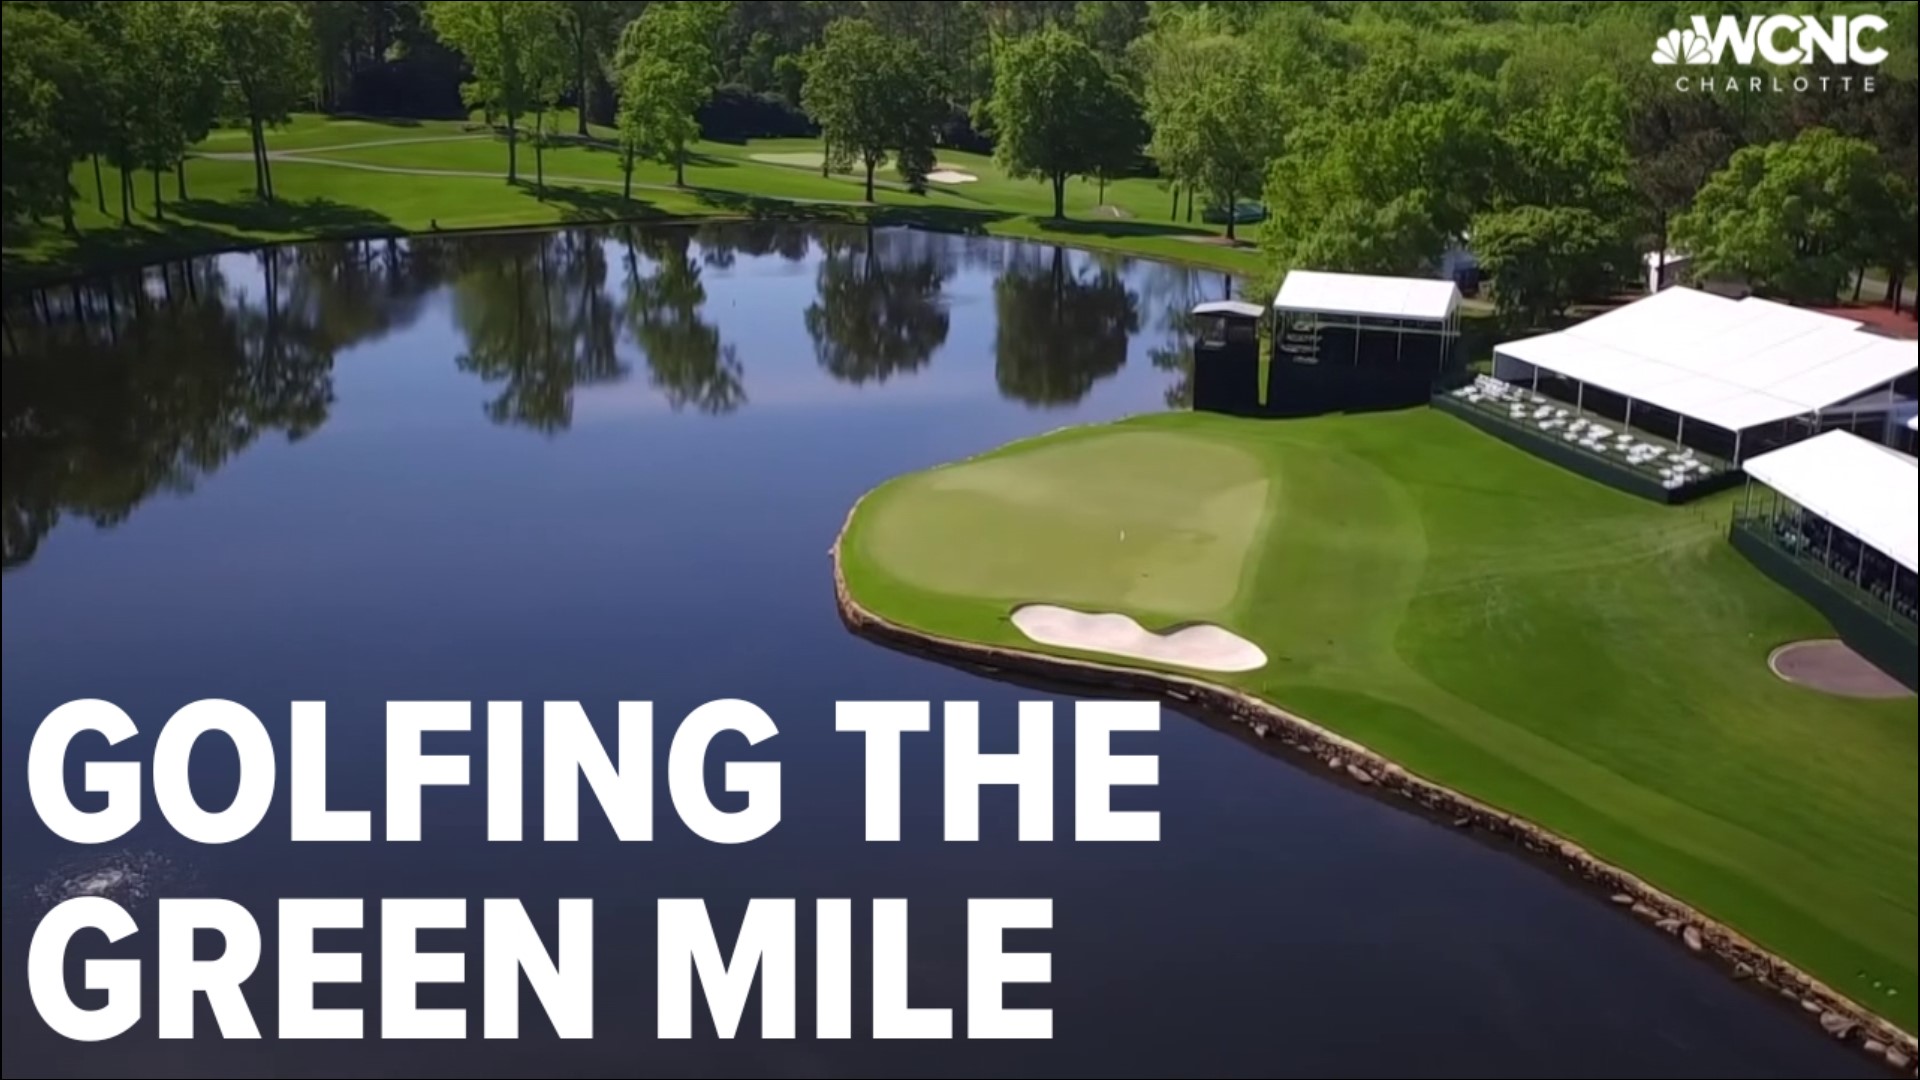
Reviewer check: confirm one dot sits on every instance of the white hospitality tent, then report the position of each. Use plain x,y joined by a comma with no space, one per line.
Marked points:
1860,487
1733,364
1367,296
1311,302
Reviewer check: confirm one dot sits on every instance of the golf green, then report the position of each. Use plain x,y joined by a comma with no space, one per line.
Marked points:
1589,661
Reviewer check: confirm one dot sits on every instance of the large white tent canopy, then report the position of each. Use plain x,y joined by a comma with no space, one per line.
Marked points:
1735,364
1863,488
1365,296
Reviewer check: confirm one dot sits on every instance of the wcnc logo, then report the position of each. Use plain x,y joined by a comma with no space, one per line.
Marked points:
1782,40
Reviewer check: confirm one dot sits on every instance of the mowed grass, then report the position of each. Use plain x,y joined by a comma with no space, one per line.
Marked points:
357,176
1157,522
1580,657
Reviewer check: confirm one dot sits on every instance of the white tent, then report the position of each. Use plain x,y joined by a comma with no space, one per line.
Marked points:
1859,486
1236,308
1734,364
1365,296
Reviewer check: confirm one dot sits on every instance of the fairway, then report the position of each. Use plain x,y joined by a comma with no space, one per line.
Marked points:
1160,524
1589,661
341,176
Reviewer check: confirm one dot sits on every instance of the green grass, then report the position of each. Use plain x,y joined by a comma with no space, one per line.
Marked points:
321,193
1585,659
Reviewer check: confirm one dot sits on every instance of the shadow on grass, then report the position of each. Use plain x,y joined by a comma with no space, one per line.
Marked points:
1118,228
319,217
578,204
192,227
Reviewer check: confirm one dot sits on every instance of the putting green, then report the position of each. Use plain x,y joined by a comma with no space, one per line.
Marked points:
1590,661
1159,523
806,159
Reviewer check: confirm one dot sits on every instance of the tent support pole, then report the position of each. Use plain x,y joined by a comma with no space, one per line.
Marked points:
1680,434
1536,378
1579,398
1736,448
1628,422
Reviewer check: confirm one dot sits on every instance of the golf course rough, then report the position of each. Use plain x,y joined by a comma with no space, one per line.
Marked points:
1481,626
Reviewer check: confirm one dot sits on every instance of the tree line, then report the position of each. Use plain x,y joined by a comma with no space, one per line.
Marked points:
1375,136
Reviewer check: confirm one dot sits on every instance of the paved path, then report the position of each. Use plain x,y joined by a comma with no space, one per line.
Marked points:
247,155
305,157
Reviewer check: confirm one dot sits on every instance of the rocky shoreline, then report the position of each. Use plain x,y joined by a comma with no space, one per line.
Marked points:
1741,959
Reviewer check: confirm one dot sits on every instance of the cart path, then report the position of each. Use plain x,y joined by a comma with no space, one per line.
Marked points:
304,157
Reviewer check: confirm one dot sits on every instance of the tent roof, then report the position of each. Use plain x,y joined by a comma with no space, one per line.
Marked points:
1364,295
1238,308
1732,363
1867,489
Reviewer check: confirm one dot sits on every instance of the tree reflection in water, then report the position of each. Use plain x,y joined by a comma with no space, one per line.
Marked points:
119,389
880,311
686,360
1060,328
534,310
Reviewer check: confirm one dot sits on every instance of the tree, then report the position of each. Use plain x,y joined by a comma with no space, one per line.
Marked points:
264,56
1541,259
1562,212
666,69
1675,142
1795,218
505,46
873,98
1051,97
46,68
1382,195
171,46
586,26
547,69
1214,114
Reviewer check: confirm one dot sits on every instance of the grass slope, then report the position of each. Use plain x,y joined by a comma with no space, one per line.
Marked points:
1588,660
345,176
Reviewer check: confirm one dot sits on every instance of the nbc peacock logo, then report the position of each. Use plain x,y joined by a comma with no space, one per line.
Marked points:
1681,47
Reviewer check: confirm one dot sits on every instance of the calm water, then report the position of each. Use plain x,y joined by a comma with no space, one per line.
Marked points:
603,466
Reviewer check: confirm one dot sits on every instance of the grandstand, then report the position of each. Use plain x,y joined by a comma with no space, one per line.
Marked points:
1357,341
1836,519
1692,375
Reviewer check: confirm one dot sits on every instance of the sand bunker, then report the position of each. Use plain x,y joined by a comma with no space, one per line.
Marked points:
1202,647
1831,667
951,176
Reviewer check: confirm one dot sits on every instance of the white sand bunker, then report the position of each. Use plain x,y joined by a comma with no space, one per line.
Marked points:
1202,647
951,176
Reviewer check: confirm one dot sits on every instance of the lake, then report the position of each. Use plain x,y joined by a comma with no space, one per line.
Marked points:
608,465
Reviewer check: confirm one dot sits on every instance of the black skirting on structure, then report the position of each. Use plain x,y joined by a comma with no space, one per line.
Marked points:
1887,645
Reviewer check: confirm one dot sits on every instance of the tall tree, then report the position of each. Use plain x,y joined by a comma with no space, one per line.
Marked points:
1562,213
586,28
874,98
1051,97
264,57
498,40
1215,113
666,72
547,67
172,46
47,66
1796,218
